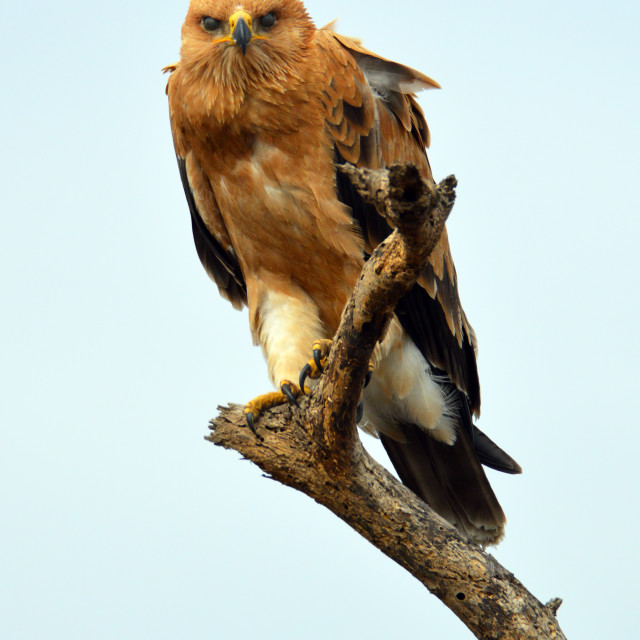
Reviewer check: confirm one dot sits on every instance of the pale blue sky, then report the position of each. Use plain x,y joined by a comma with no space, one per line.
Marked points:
118,519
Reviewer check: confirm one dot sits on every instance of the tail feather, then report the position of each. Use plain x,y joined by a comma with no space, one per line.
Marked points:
450,479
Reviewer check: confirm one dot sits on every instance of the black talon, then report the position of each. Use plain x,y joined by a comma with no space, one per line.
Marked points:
316,359
304,374
286,389
359,412
249,417
367,379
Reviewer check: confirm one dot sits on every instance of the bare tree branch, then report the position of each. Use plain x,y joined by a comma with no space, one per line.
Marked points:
315,447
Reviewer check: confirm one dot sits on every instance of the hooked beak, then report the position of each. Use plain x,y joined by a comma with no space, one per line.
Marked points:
241,33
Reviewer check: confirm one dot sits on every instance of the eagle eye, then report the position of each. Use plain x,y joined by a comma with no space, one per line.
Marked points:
268,20
210,24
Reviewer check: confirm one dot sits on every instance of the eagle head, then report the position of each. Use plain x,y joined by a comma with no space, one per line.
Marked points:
248,41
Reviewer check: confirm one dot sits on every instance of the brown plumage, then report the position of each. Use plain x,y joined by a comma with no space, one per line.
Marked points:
263,106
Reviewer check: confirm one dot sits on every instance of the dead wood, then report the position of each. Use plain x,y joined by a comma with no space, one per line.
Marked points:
315,447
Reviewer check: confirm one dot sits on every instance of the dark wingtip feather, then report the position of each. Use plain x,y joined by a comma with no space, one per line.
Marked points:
491,455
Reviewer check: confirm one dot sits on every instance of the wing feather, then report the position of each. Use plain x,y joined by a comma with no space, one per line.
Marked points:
211,238
382,124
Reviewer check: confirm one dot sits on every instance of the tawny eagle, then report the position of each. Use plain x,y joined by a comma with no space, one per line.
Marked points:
263,107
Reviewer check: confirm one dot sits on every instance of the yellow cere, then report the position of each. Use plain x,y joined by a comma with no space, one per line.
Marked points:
233,20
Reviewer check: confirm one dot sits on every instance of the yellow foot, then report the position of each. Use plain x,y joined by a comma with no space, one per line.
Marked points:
367,378
315,368
288,393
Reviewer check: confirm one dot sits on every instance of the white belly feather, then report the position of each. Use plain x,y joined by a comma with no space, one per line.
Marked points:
402,389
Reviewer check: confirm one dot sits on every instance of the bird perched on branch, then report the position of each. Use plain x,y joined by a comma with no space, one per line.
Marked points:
263,107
